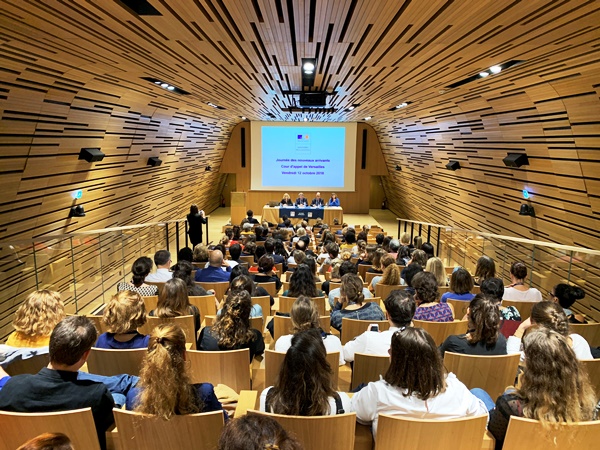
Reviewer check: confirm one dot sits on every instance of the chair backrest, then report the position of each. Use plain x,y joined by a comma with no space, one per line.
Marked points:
368,368
334,285
589,331
265,303
395,432
353,327
185,322
459,306
285,304
257,323
17,428
274,360
30,365
593,369
205,303
230,367
383,290
150,302
270,287
98,323
219,287
362,270
282,325
247,259
279,268
524,308
439,331
369,276
190,432
320,432
530,434
110,362
159,284
493,374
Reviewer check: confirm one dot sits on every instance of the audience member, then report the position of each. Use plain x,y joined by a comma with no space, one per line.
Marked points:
265,272
391,273
215,272
343,269
302,282
426,298
185,254
277,258
162,260
436,267
257,291
183,271
244,283
286,200
517,289
566,295
256,432
494,288
140,270
394,247
352,304
486,268
461,285
201,254
48,441
408,273
123,315
250,217
427,247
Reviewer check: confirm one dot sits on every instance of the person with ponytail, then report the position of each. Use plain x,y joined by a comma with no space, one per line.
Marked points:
165,389
483,336
554,387
140,270
352,303
549,315
232,330
565,295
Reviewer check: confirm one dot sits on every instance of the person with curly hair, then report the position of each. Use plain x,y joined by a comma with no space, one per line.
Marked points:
483,335
123,315
140,270
391,273
554,387
165,388
426,298
304,385
232,329
517,290
35,319
256,432
352,303
305,316
201,254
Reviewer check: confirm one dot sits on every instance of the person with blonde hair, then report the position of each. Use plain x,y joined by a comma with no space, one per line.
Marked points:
436,266
123,315
305,316
391,273
201,254
352,303
35,319
554,387
165,388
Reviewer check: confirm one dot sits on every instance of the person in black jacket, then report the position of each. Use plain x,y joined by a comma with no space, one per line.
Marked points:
195,221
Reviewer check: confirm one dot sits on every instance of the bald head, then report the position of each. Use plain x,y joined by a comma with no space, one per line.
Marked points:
216,258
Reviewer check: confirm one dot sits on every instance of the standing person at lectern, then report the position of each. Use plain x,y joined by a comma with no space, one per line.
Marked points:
286,200
195,220
301,200
334,200
317,201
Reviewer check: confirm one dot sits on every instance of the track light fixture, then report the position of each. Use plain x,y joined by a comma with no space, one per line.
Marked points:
526,210
77,211
453,165
516,160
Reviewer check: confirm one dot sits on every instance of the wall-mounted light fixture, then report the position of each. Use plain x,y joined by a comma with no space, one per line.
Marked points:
77,211
453,165
154,161
526,210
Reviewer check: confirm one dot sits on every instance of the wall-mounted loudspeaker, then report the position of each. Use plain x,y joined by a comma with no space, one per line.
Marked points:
91,154
154,161
453,165
516,160
363,159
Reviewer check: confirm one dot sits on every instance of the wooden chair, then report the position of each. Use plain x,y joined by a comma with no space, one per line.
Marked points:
362,270
593,369
439,331
98,323
231,368
187,432
205,303
247,259
334,285
257,323
589,331
490,373
78,424
353,327
524,308
282,325
459,306
110,362
159,284
394,432
150,302
383,290
285,304
369,276
288,275
185,322
274,360
531,435
368,368
265,303
279,268
218,287
319,432
270,287
30,365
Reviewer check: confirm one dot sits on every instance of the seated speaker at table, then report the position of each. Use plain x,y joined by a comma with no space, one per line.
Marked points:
334,200
301,200
286,200
317,201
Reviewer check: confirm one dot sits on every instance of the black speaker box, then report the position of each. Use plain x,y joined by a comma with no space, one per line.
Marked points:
313,99
516,160
91,154
453,165
154,161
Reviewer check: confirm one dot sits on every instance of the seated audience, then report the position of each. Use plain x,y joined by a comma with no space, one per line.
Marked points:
305,316
419,257
244,283
165,389
201,255
302,282
257,290
250,217
399,310
235,251
140,270
415,385
408,273
461,285
343,269
123,315
254,432
426,298
232,329
162,260
486,268
304,386
403,256
56,387
215,272
185,254
436,267
249,249
35,319
394,247
483,336
427,247
494,288
549,315
277,258
517,290
376,266
554,387
391,273
566,295
352,305
183,271
265,272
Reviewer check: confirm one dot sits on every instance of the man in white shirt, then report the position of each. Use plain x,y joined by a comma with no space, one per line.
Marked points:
400,309
162,259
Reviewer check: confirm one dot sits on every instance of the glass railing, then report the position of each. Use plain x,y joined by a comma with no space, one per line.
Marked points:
84,267
548,263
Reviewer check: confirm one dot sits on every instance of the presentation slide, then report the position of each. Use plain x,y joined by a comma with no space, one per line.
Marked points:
291,156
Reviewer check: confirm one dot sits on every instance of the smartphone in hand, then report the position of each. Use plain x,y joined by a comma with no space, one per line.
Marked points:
374,327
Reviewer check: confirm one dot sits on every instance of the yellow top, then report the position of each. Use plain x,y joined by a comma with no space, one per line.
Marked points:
18,339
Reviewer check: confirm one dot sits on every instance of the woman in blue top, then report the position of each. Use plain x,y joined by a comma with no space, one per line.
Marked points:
123,315
461,285
164,388
333,201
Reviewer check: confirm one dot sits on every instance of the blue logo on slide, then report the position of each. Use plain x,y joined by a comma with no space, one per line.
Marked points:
299,136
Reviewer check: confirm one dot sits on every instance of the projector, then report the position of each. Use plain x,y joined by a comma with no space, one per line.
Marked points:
313,99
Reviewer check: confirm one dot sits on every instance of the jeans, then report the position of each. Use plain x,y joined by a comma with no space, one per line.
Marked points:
484,397
118,385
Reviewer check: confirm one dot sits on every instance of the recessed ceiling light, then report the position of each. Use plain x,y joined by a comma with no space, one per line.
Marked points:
368,118
308,66
157,82
495,69
484,74
164,85
350,108
306,119
242,117
170,88
402,105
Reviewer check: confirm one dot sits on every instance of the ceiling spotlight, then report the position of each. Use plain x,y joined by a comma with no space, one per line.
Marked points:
170,88
242,117
308,67
164,85
207,169
309,72
495,69
350,108
483,74
402,105
306,119
368,118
